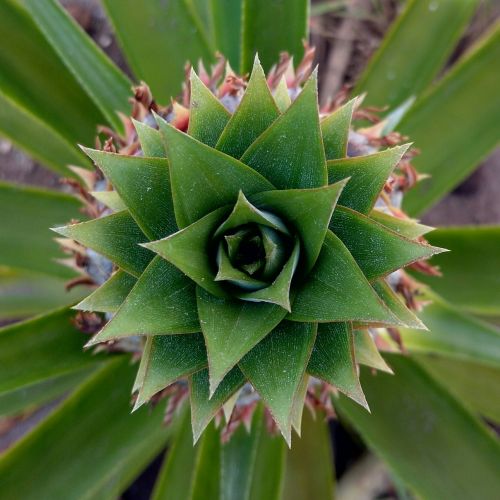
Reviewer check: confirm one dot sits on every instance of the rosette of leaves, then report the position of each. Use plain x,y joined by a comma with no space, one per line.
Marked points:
246,252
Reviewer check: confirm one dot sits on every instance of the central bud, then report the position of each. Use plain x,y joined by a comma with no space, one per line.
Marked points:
256,254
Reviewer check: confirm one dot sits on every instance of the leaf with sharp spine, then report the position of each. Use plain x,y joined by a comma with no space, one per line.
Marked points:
299,403
111,199
307,210
208,116
169,358
116,236
278,292
232,328
335,131
332,360
396,305
288,154
150,139
409,228
366,352
368,175
204,407
204,179
282,96
255,113
377,250
275,368
187,250
109,296
161,302
337,290
144,186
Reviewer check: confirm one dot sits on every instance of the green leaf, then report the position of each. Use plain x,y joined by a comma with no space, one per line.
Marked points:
238,460
288,154
309,463
144,186
174,480
56,98
270,28
471,278
226,272
474,384
397,306
439,436
204,407
161,302
38,139
255,113
109,296
110,199
454,334
282,96
245,212
30,397
377,250
278,292
54,346
187,250
150,139
332,360
26,213
366,352
392,75
275,368
308,211
269,468
465,96
226,16
25,293
105,84
408,228
166,359
116,236
335,131
208,116
232,328
367,174
202,178
206,475
174,36
337,290
299,403
111,456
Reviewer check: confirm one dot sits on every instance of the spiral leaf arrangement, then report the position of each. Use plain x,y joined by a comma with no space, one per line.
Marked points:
248,251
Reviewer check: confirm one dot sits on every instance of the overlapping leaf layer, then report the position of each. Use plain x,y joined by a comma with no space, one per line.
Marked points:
247,253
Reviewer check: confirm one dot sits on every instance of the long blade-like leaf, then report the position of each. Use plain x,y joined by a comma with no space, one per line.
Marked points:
95,460
438,448
174,36
25,215
456,124
471,270
41,349
107,86
37,138
270,28
410,57
33,76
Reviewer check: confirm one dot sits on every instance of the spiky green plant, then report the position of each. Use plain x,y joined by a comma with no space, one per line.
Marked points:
247,250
